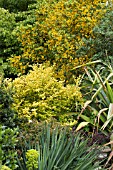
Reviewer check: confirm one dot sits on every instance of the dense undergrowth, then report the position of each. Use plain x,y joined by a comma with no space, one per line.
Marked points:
56,86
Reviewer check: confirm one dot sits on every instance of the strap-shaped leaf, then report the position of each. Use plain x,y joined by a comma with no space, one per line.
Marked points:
110,92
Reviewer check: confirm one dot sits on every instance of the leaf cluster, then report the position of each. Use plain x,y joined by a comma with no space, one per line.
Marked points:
38,94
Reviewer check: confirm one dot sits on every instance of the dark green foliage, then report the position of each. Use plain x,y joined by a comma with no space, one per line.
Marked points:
26,17
3,66
7,143
103,41
100,46
16,5
7,40
8,128
7,114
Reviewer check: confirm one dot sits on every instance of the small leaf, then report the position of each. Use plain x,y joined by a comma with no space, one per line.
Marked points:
81,125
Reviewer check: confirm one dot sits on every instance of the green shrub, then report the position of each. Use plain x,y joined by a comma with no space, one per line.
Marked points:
102,43
7,115
8,39
8,142
38,94
8,128
104,38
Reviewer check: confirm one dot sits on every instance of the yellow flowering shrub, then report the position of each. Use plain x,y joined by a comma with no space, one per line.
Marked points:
58,34
38,94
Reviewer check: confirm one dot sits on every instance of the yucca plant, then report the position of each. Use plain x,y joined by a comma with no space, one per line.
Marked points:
58,150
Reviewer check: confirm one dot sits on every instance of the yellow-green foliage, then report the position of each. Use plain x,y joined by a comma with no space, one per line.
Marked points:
32,159
38,94
5,167
58,34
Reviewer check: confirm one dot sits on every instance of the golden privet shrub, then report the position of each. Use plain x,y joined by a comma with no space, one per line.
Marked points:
58,34
38,94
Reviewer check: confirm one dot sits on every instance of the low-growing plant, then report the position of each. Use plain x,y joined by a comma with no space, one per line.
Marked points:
60,150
